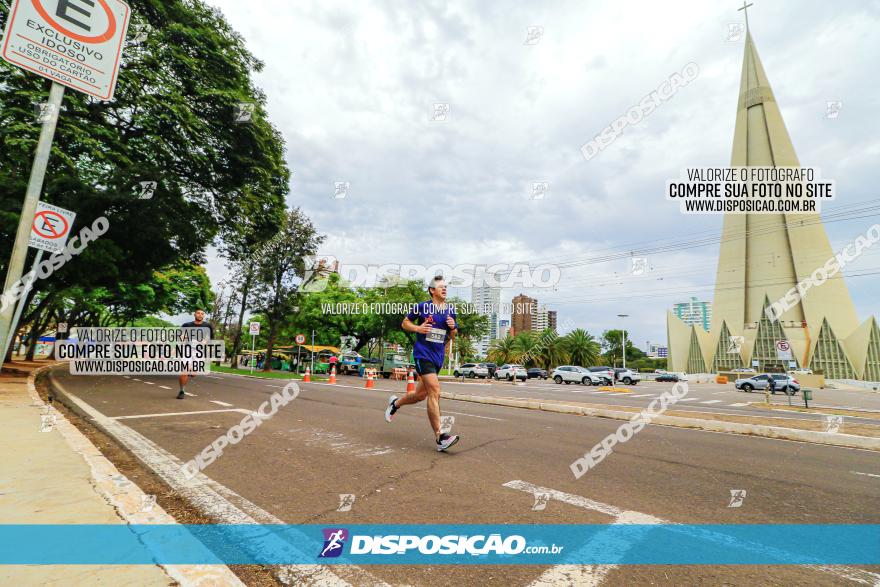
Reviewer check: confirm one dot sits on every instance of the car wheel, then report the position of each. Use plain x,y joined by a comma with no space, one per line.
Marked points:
558,380
585,381
627,381
472,375
509,378
747,388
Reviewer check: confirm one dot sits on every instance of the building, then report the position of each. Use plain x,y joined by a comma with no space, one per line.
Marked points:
503,328
542,319
486,299
523,309
694,312
657,351
762,257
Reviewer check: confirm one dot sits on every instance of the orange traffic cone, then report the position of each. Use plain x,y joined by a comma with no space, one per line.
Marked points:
308,376
410,382
332,375
370,383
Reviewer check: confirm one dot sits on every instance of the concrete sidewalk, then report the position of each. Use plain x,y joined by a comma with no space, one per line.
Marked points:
50,473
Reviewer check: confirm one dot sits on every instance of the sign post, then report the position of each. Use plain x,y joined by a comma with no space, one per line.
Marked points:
300,338
255,332
49,232
77,45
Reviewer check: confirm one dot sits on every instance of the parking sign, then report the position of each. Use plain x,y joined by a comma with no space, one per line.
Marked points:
76,43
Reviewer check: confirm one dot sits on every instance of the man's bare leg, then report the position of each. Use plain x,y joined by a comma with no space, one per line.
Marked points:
428,387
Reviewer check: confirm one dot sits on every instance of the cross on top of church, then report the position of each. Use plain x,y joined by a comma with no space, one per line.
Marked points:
744,8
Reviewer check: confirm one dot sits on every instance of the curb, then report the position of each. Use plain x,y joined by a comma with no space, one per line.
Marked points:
123,495
812,436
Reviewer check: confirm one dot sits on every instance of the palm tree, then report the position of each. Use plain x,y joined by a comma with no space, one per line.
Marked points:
502,350
525,347
581,347
550,350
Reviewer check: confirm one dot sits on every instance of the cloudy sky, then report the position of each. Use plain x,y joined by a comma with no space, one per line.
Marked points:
352,86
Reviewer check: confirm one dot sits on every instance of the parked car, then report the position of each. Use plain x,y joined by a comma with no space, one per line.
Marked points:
784,383
492,367
571,374
349,363
537,373
673,377
627,376
509,371
607,373
472,371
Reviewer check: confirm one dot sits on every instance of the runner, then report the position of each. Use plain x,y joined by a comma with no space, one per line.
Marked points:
199,322
437,321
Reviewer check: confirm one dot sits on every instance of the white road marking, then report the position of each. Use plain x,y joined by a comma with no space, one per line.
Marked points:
474,416
222,503
149,383
688,399
594,574
189,394
178,414
740,405
643,395
133,379
867,474
126,377
712,401
212,377
164,387
219,403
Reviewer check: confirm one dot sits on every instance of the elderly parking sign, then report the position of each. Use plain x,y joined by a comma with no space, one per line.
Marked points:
76,43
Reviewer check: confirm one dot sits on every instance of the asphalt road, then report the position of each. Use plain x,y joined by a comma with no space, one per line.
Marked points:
332,440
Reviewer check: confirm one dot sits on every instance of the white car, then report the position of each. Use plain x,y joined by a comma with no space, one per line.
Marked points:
627,376
472,371
571,374
509,371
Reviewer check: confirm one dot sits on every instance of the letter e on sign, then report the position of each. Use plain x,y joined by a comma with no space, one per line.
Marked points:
78,42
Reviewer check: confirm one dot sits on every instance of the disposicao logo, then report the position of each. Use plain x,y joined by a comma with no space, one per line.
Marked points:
334,541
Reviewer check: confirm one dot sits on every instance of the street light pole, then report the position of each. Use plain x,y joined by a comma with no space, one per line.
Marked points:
623,350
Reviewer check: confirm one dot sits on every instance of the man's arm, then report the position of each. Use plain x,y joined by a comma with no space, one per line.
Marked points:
409,326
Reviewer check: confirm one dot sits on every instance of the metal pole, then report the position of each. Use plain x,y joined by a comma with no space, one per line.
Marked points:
298,349
253,356
313,351
29,207
624,348
30,278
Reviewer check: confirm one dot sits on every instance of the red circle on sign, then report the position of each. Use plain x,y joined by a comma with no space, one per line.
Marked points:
300,338
106,36
52,232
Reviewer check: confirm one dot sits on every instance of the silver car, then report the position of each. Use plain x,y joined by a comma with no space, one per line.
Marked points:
782,382
472,371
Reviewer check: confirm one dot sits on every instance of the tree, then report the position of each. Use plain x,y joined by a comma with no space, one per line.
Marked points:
172,121
280,271
611,343
550,351
581,347
502,350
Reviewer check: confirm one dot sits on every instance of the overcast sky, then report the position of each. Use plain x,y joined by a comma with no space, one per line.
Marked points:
352,87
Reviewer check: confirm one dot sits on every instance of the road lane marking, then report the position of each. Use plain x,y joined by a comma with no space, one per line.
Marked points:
126,377
239,410
474,416
149,383
189,394
164,387
212,377
643,395
740,405
712,401
866,474
219,403
688,399
133,379
557,574
220,502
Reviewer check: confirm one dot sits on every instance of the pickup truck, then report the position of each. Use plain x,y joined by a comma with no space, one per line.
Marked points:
385,365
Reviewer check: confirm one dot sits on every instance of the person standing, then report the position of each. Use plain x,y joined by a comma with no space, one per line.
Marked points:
198,322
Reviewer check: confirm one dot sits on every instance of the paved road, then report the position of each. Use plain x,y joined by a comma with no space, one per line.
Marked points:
332,440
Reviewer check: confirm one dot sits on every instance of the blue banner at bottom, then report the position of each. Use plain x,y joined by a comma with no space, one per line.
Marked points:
515,544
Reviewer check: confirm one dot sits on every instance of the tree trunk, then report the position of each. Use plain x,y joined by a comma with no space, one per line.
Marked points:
236,344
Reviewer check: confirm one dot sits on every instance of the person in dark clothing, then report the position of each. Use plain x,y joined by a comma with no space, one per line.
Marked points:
199,322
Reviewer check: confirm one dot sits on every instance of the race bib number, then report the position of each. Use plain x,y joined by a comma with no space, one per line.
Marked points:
436,335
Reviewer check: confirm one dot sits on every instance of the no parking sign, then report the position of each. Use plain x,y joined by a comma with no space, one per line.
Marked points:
51,227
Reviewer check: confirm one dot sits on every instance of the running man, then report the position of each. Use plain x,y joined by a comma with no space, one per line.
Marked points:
433,334
199,322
